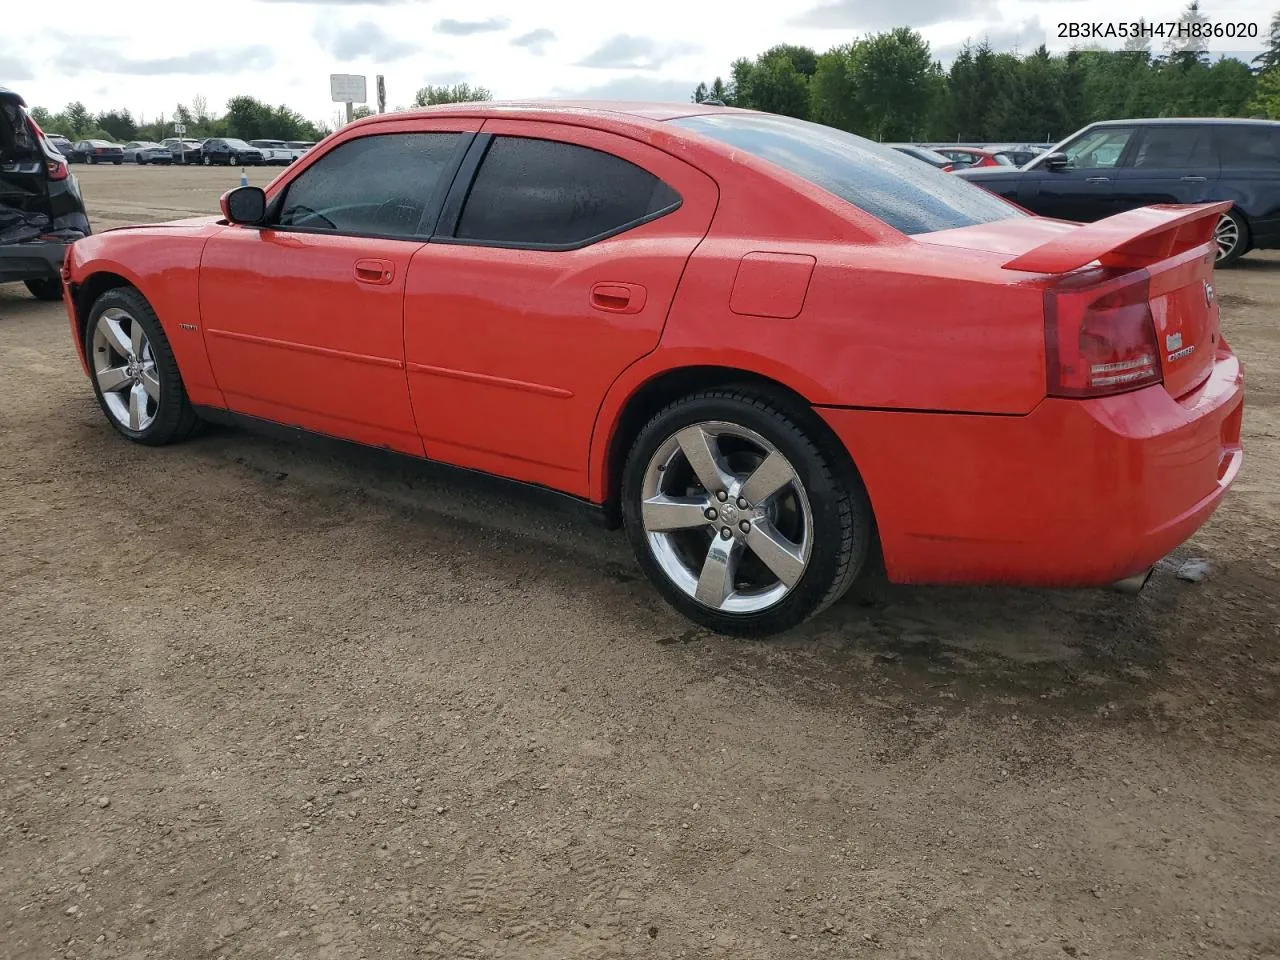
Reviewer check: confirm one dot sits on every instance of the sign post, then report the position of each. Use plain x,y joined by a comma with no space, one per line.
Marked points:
382,95
349,89
181,129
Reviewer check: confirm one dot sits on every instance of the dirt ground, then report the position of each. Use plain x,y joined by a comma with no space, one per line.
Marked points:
264,701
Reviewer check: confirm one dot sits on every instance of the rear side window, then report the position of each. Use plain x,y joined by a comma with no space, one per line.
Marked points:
908,195
17,139
1248,146
378,185
544,193
1173,146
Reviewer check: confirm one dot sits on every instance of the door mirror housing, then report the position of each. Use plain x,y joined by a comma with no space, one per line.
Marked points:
245,205
1056,161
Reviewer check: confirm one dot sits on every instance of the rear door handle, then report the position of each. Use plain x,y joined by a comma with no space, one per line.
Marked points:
1194,179
378,272
1097,179
618,297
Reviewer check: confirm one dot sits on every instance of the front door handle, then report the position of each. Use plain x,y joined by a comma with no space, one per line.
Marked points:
1193,179
378,272
618,297
1097,179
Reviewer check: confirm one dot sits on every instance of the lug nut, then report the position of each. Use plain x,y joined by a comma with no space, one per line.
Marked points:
742,503
722,496
744,527
726,533
710,513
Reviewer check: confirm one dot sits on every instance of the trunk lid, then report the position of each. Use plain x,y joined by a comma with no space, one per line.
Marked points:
1170,245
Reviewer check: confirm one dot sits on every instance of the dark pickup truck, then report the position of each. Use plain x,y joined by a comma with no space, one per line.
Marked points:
41,210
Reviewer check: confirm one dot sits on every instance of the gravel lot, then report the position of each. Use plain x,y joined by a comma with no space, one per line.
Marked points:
264,701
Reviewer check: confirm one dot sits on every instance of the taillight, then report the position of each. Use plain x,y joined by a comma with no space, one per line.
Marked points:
57,169
948,168
1100,339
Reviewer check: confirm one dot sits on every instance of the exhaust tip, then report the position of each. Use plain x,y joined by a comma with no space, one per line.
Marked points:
1132,586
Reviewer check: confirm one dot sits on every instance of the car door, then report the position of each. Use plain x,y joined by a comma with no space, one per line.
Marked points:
1083,190
553,276
303,318
1171,163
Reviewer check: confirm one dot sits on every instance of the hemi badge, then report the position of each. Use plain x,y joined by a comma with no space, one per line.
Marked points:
187,326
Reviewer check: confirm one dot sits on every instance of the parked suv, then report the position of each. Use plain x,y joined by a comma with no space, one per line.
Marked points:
229,151
41,211
1117,165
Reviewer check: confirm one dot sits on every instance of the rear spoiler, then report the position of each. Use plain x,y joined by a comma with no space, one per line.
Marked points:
1130,240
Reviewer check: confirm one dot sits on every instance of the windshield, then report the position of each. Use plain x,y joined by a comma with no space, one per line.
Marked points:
237,144
908,195
267,143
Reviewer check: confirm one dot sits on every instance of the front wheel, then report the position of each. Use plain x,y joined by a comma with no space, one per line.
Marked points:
1232,236
206,161
135,376
744,520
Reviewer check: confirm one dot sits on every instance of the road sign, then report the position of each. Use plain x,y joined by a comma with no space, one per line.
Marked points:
347,88
382,95
179,128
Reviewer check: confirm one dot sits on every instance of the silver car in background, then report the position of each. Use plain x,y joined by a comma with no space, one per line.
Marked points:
274,151
144,151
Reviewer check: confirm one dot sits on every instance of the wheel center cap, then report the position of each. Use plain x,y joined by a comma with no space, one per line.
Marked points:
729,513
134,368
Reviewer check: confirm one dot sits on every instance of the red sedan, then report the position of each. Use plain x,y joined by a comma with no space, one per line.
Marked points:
778,354
973,157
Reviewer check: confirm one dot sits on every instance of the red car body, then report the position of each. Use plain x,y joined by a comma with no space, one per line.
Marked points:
948,363
969,155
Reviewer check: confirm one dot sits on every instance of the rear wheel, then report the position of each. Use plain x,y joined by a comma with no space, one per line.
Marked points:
1232,236
741,519
135,376
48,290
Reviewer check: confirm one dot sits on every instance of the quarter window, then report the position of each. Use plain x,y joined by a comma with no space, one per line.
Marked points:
1248,146
1170,145
545,193
379,185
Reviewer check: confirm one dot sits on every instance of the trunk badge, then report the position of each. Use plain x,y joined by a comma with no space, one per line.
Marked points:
1208,292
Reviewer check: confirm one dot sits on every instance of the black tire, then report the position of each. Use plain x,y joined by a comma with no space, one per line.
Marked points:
118,162
1226,259
47,290
137,158
841,512
93,161
175,419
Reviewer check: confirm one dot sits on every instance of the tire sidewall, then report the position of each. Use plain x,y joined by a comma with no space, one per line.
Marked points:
173,400
819,477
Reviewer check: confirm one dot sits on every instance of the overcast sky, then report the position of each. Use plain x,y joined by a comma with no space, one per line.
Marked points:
139,55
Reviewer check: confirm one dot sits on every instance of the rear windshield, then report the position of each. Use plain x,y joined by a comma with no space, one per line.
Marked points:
908,195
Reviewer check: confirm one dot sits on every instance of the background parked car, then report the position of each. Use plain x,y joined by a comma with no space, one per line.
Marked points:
1019,154
299,147
931,157
1117,165
274,151
59,143
229,151
973,157
183,151
96,151
143,151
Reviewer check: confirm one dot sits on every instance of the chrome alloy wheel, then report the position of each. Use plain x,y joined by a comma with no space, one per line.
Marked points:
727,517
125,369
1227,235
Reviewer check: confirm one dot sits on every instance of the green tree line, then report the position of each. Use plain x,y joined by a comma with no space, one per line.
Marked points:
246,118
889,86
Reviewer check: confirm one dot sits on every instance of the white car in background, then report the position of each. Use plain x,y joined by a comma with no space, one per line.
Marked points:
299,147
274,151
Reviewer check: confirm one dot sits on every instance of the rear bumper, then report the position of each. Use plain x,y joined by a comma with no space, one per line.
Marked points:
1074,494
37,260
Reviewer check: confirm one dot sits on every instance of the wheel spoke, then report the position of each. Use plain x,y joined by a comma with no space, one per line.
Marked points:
113,378
137,406
137,339
115,335
151,381
776,552
770,477
715,583
663,513
699,449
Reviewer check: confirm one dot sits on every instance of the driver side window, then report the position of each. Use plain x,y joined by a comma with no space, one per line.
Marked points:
1098,149
380,185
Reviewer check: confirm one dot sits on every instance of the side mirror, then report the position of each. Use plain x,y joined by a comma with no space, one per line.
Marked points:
1056,161
246,205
